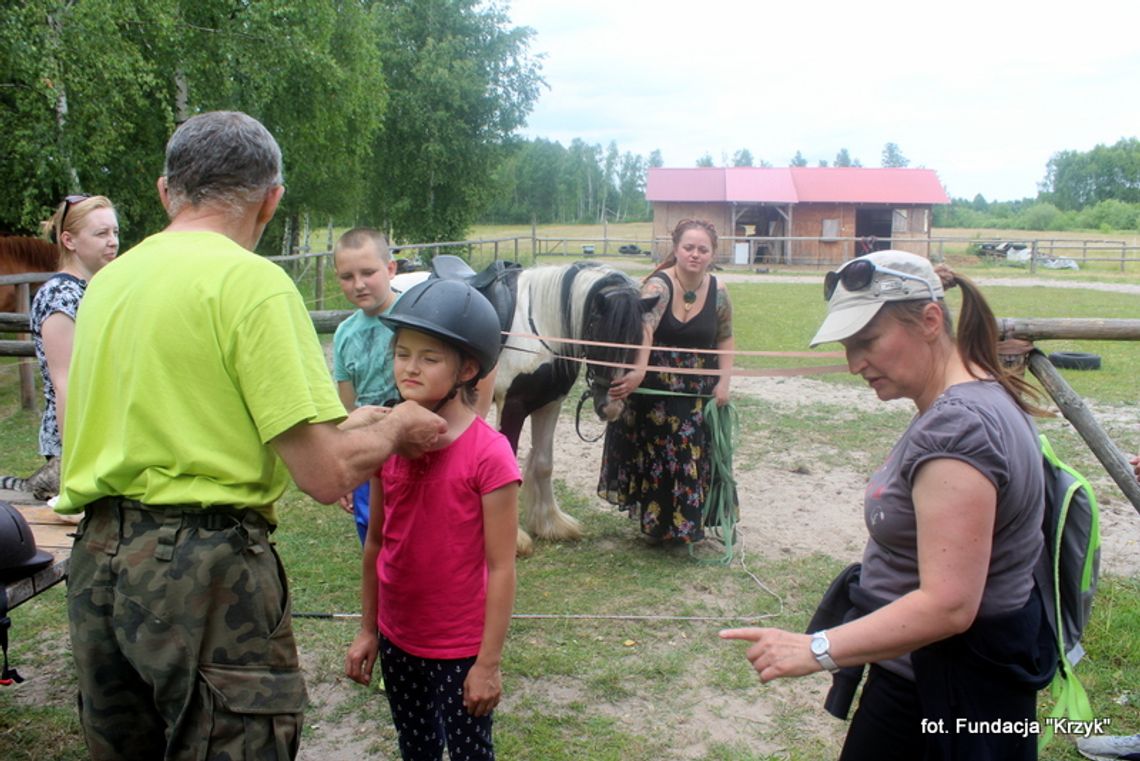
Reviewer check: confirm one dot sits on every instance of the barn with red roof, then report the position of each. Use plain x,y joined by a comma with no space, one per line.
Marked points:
802,215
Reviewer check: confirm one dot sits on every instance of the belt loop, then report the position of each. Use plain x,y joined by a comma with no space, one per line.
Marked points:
168,534
253,525
115,519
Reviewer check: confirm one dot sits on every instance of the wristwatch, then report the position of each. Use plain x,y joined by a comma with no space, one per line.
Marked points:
821,649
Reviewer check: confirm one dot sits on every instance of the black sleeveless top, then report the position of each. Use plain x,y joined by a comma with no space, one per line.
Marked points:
697,333
672,337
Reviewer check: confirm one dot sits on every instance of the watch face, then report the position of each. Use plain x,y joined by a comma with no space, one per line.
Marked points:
818,645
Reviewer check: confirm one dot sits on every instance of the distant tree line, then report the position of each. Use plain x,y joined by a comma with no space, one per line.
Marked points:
1092,190
392,113
542,182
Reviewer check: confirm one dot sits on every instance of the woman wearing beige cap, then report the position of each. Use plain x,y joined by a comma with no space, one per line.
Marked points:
944,607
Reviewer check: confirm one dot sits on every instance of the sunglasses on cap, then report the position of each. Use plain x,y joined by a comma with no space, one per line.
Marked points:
858,275
68,202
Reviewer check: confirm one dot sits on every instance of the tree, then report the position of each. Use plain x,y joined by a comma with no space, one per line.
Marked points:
585,173
843,158
609,178
656,160
893,157
823,163
706,160
460,82
798,160
631,186
1075,180
743,157
76,115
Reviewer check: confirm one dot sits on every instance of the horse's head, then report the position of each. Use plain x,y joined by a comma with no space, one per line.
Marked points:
613,315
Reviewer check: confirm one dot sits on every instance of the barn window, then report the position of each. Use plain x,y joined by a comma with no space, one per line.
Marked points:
900,221
830,230
920,221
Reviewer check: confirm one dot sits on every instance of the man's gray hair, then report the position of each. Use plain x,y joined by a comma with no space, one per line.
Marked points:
220,158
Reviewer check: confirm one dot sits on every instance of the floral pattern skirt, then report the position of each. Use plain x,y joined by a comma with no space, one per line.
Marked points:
655,463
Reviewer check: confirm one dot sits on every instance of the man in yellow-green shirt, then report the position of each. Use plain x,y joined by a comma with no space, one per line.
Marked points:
197,387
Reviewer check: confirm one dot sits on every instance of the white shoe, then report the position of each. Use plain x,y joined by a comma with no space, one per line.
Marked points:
1110,747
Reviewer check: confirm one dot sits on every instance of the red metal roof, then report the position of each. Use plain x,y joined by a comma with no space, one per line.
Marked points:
796,185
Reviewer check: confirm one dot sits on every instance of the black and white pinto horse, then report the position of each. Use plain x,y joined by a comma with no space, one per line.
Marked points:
584,301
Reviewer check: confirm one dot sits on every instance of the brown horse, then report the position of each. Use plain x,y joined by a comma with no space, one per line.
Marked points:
20,254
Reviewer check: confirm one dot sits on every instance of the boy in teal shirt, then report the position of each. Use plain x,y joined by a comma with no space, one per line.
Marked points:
362,345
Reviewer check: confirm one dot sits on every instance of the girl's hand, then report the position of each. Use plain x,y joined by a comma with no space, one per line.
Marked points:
776,653
1136,465
482,689
361,657
345,503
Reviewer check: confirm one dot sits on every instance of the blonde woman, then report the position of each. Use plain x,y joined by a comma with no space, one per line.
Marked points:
85,229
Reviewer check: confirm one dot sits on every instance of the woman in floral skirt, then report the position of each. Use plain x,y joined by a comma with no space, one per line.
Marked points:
656,462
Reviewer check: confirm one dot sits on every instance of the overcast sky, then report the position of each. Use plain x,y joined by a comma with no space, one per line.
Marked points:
983,92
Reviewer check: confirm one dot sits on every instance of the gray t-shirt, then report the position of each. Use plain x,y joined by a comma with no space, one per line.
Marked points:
978,423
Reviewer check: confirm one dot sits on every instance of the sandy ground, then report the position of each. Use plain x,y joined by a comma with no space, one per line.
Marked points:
788,507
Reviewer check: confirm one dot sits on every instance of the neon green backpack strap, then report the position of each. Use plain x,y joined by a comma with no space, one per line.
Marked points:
1070,701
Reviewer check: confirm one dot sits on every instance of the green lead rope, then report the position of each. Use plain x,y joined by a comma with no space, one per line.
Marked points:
720,511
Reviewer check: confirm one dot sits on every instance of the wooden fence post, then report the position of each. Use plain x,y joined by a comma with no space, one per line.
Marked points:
1076,412
27,376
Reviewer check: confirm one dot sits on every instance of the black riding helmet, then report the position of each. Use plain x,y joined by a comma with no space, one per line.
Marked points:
455,312
18,554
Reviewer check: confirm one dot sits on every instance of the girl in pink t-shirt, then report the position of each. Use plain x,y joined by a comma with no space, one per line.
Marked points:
439,559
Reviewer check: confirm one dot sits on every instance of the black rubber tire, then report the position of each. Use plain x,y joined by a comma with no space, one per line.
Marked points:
1075,360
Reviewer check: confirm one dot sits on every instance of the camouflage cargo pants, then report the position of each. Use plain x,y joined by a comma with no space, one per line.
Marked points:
182,635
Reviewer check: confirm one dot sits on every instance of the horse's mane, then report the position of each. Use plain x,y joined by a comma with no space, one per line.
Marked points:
569,297
22,254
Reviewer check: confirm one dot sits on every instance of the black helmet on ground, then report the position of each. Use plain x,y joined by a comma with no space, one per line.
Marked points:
454,312
18,554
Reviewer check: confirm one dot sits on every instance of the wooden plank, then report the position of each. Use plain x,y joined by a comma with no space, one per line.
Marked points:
1075,410
1075,328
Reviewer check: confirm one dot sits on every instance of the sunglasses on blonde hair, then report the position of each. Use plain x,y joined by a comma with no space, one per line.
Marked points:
68,202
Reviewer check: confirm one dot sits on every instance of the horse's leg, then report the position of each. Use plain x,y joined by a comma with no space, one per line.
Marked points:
542,516
524,545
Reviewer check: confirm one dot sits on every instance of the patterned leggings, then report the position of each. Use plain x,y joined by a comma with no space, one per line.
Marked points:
426,698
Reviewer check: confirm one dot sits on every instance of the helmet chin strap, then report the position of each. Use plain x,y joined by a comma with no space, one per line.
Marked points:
450,395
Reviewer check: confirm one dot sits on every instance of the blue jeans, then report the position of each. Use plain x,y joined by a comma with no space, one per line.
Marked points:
360,496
